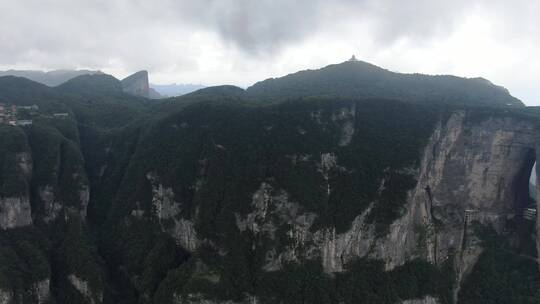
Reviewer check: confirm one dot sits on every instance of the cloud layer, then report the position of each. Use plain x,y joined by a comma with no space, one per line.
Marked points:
241,41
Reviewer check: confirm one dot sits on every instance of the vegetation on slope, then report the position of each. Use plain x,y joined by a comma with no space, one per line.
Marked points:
13,143
215,148
359,79
501,275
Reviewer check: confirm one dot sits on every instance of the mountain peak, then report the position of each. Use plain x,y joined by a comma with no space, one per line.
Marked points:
50,78
92,84
137,84
358,79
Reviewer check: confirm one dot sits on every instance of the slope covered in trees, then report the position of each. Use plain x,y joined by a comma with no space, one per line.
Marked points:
330,143
359,79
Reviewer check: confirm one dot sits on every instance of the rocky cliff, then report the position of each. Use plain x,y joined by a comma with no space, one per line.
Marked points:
473,169
43,184
470,171
137,84
224,200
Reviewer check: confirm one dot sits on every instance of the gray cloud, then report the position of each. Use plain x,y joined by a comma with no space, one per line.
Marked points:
231,40
94,28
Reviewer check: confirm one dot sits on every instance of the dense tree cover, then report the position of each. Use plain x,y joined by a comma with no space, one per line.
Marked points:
139,256
92,85
238,147
364,281
50,149
13,144
231,148
24,260
363,80
501,275
215,148
74,254
98,101
58,163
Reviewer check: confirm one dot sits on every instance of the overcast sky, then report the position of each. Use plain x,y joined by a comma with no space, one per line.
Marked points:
242,41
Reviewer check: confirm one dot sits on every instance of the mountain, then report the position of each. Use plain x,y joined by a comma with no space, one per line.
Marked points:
172,90
137,84
153,94
99,84
51,78
19,89
223,91
358,79
222,197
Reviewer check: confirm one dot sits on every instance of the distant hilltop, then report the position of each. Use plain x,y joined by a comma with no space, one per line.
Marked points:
135,84
51,78
358,79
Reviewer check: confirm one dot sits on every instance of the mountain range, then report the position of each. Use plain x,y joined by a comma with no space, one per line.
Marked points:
57,77
346,184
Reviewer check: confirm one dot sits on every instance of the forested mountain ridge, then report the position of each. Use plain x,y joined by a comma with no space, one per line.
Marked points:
51,78
223,196
358,79
57,77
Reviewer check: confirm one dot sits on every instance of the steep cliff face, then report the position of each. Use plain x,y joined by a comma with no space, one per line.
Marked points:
42,290
322,192
426,300
43,182
16,212
83,287
168,213
60,181
137,84
16,166
473,169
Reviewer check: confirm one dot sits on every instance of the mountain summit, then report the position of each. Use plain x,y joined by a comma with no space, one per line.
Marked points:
359,79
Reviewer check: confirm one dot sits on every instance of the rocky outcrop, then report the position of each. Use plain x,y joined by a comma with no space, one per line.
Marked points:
426,300
84,198
15,212
93,297
469,171
24,162
200,299
42,290
345,118
137,84
167,210
272,209
51,207
6,297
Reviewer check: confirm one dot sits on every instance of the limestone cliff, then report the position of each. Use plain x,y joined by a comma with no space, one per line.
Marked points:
82,286
470,171
6,297
137,84
167,210
426,300
15,210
